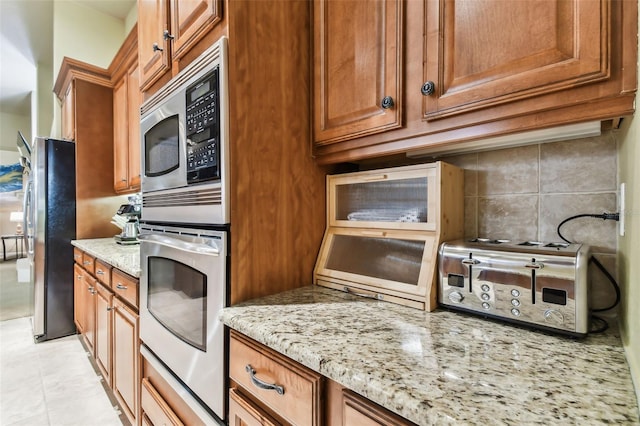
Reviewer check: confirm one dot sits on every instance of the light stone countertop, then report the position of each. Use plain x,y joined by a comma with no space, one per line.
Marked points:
124,257
444,367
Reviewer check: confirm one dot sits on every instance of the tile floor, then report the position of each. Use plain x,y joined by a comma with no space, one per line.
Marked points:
49,383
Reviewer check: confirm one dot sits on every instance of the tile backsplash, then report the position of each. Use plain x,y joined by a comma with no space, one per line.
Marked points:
524,193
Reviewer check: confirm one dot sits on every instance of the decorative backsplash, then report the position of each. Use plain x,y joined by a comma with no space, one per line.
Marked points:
523,193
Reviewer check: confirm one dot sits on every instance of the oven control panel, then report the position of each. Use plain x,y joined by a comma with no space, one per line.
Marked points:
544,287
203,129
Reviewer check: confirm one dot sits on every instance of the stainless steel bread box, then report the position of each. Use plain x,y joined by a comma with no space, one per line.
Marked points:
534,283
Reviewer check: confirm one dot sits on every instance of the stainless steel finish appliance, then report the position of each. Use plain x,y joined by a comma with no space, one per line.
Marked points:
50,225
539,284
126,218
184,140
183,288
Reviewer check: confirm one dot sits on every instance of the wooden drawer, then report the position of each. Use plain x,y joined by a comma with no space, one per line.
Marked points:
103,272
252,365
77,255
244,412
155,409
125,287
88,262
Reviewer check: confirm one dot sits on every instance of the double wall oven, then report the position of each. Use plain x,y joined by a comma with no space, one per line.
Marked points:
184,278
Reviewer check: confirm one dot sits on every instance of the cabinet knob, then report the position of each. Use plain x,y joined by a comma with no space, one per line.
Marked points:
428,88
157,48
123,180
387,102
168,36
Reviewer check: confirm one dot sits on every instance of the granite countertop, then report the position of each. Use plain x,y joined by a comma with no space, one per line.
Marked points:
124,257
444,367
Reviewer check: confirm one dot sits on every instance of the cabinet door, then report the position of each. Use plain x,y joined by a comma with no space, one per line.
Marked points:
358,68
153,50
244,412
482,53
104,331
79,298
120,137
134,100
359,411
126,352
68,114
190,21
90,312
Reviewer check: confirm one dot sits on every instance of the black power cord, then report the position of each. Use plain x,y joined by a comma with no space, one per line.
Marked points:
592,259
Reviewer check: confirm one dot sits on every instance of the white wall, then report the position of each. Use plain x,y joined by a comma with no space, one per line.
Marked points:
9,126
82,33
629,244
85,34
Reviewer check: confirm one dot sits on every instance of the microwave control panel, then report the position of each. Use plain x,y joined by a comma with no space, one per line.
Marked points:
203,129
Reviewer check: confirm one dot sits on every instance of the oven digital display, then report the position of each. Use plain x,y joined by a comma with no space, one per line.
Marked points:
199,91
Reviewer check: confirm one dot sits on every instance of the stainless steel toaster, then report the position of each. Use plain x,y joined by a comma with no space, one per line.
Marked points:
539,284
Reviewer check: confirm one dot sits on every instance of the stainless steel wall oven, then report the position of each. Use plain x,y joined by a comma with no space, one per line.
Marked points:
184,278
183,288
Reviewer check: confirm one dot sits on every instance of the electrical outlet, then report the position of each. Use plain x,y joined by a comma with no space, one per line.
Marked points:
621,209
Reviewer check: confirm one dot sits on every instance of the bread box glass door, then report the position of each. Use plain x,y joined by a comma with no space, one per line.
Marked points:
389,198
384,263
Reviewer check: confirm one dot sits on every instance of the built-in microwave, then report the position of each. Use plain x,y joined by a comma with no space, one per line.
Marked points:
184,144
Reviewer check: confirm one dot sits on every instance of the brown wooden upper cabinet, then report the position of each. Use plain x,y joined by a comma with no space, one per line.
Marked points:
127,99
167,29
468,69
358,68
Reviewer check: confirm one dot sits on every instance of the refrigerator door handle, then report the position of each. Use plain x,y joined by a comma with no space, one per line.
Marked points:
27,208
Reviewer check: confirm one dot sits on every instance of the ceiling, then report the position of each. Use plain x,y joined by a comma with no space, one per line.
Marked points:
26,28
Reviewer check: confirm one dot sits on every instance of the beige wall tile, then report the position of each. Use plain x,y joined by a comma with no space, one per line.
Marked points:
597,233
470,217
601,291
508,171
468,162
513,217
581,165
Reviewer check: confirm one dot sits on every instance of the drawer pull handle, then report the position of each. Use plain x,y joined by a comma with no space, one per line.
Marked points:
263,385
99,272
86,262
470,261
119,286
376,296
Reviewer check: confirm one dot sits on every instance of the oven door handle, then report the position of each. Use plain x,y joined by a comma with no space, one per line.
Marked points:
179,244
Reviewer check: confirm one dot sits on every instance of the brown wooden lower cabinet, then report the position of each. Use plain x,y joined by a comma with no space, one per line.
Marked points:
106,315
267,388
126,358
160,404
244,412
104,331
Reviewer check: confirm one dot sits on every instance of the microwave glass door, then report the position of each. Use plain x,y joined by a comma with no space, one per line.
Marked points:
177,298
162,147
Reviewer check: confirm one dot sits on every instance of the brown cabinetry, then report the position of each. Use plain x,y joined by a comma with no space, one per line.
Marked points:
267,388
345,408
127,99
358,68
168,29
473,69
126,358
104,331
106,315
87,118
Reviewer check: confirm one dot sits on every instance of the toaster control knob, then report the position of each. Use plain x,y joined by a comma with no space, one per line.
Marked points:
456,296
554,317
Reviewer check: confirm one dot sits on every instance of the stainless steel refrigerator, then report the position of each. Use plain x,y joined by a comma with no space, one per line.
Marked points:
50,225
